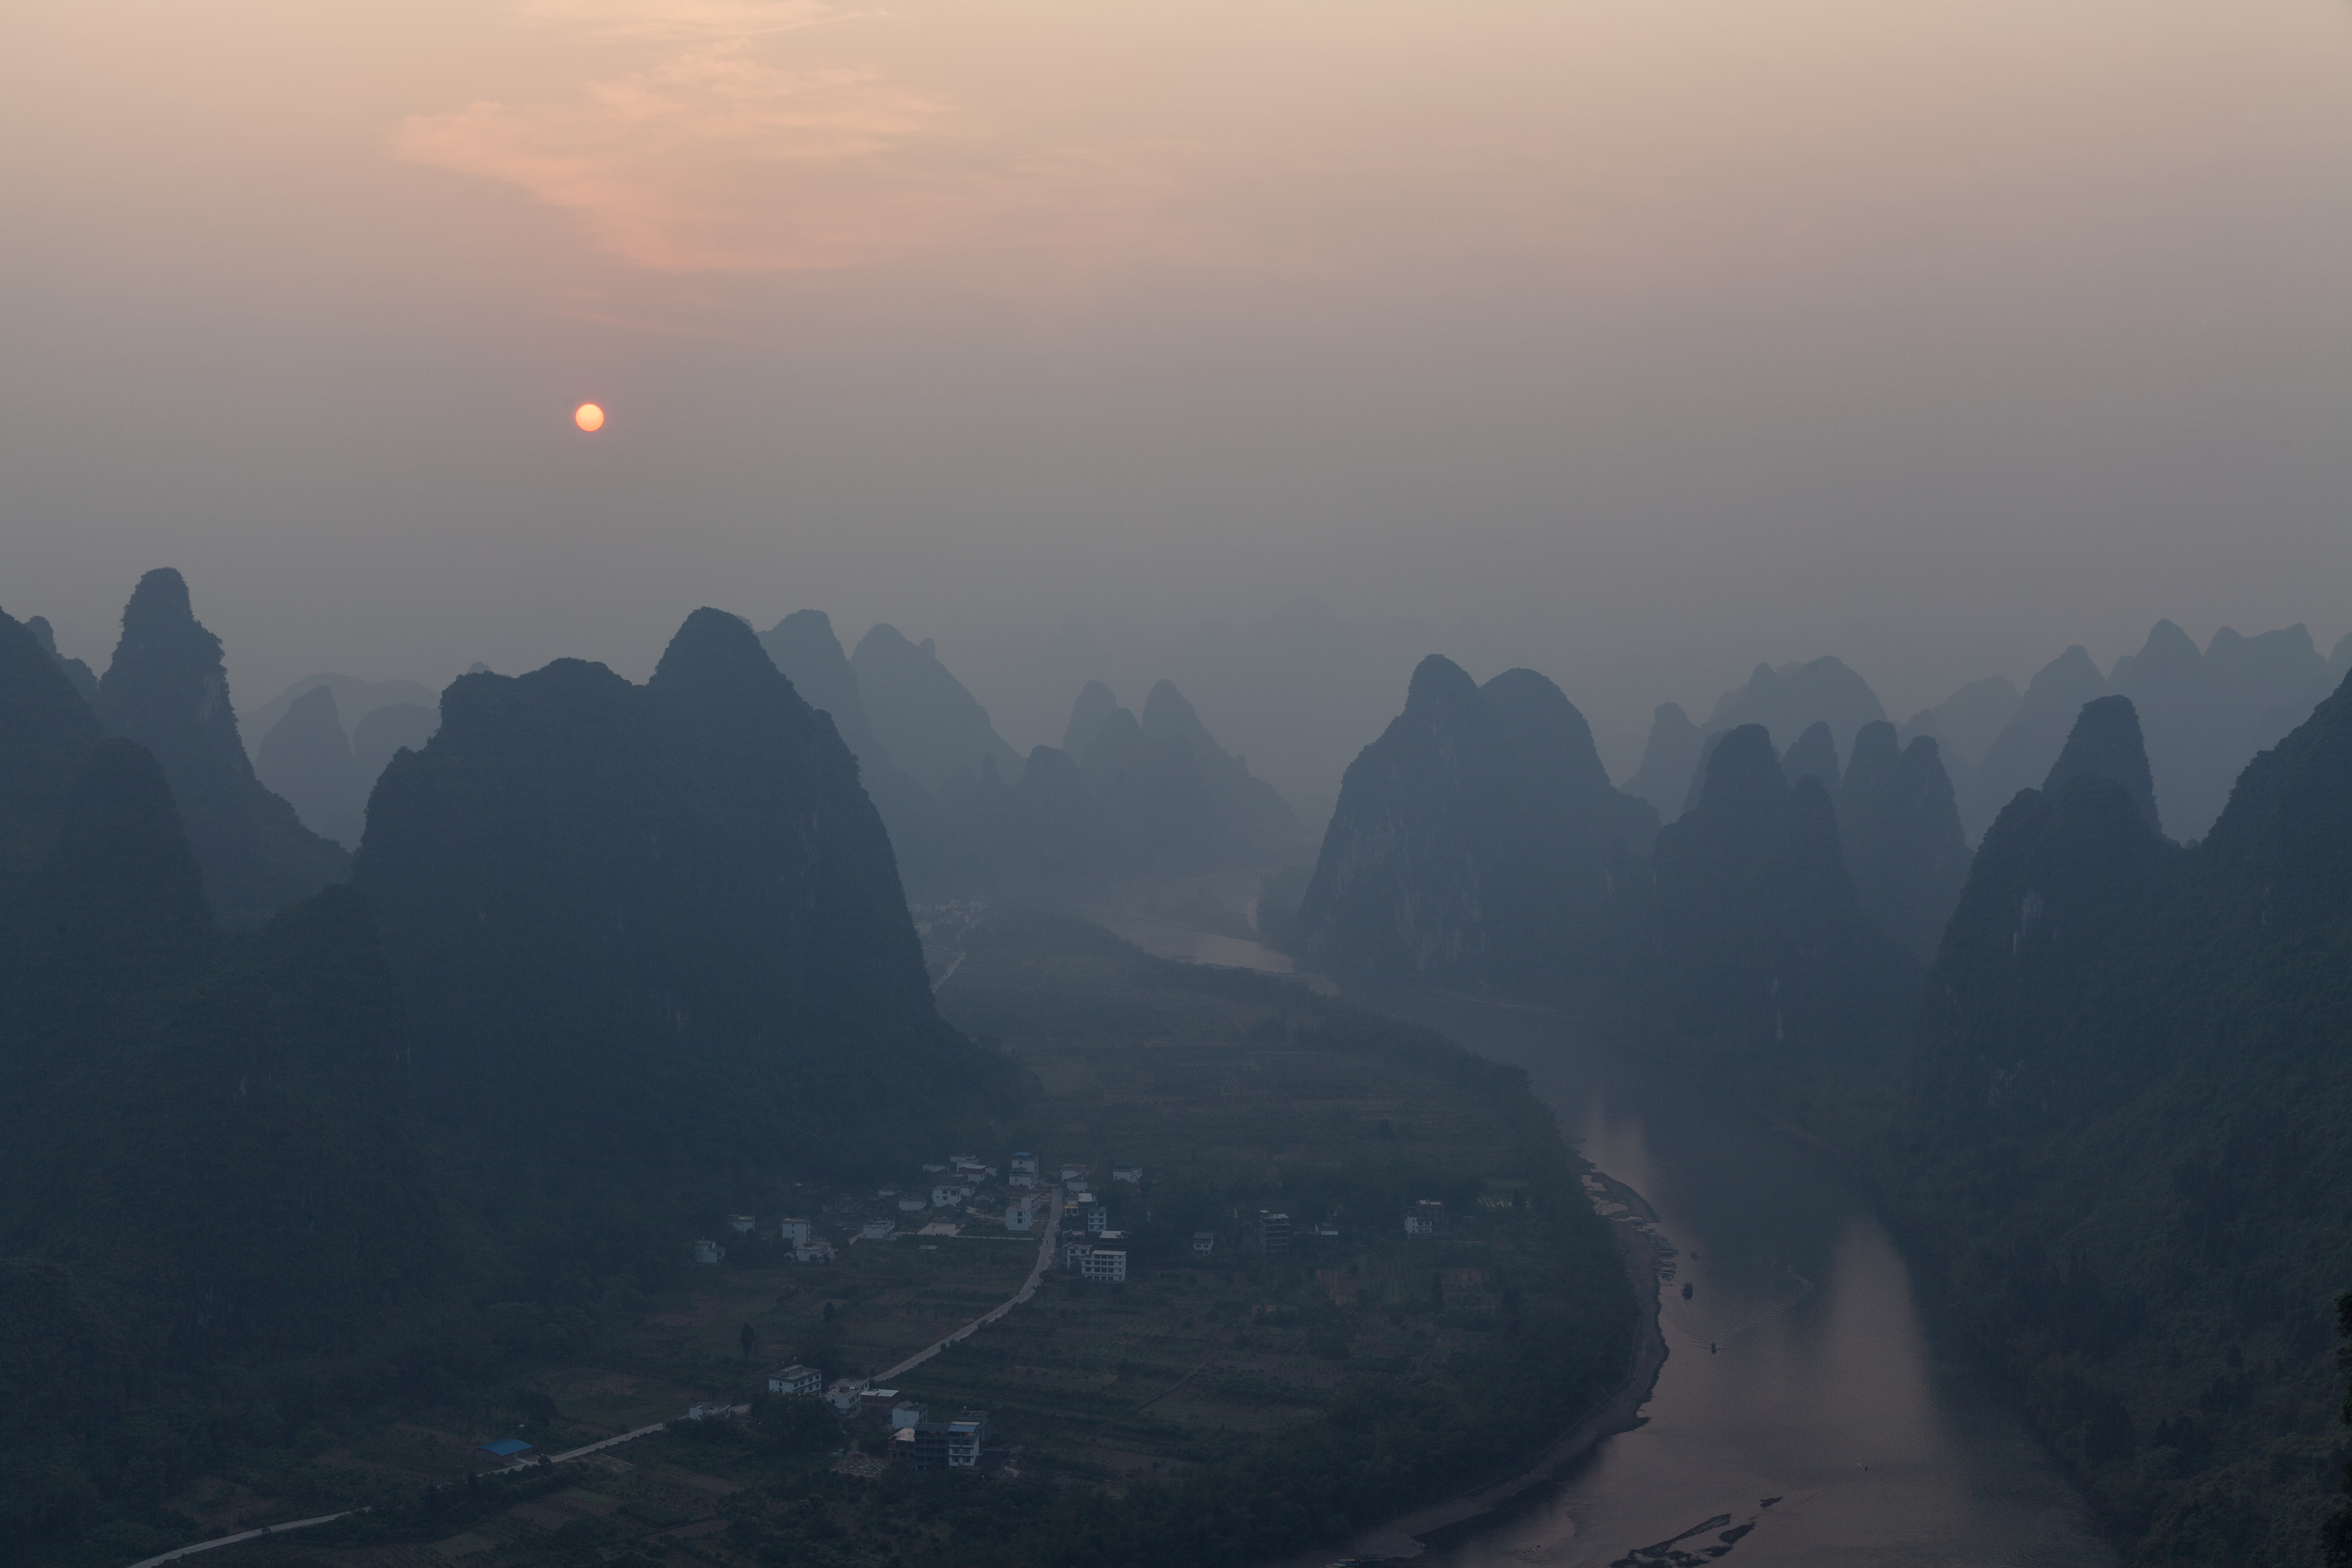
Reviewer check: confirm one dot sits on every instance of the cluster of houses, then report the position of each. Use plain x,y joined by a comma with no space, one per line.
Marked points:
799,1235
952,1192
917,1440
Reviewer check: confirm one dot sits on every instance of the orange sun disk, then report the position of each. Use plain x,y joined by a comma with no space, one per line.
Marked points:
588,416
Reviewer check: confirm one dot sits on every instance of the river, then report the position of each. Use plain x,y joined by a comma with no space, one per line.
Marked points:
1830,1385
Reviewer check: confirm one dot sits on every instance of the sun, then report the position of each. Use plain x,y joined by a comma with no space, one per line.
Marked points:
588,416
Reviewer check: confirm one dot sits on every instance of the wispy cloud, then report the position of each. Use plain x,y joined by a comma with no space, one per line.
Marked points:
709,160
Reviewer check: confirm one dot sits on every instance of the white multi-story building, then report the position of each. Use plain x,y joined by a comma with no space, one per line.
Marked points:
796,1379
792,1232
708,1252
1025,1163
1105,1264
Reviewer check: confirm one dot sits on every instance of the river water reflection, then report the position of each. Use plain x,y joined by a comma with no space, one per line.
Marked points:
1827,1387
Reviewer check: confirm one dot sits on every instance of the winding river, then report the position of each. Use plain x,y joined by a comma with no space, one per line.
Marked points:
1803,1368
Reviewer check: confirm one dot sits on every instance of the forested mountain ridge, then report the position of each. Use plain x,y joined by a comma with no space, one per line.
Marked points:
2123,1144
662,917
1473,840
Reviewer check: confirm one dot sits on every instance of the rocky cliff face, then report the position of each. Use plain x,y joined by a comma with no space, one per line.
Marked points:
167,690
665,913
1473,840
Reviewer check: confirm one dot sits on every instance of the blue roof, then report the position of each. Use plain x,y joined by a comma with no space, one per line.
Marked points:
504,1447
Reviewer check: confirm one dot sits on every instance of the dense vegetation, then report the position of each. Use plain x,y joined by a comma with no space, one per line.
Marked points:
2125,1143
643,956
1225,1408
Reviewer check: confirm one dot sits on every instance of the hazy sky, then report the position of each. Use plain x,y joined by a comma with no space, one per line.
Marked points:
1657,336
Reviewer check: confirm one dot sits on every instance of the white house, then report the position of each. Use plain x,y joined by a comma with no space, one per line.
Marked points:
1022,1179
1097,1220
708,1252
792,1232
913,1205
877,1230
845,1392
709,1410
1426,1218
1106,1264
1021,1215
796,1379
1204,1241
1025,1162
908,1412
812,1252
1073,1173
740,1222
1127,1174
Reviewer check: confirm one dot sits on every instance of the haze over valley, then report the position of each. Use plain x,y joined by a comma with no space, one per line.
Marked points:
1040,786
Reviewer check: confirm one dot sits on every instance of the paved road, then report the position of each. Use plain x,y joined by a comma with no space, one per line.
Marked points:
179,1552
1044,1261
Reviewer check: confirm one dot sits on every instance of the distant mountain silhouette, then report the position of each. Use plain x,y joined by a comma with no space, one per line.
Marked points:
1045,831
1669,762
46,730
1763,963
804,647
933,726
2020,755
931,855
78,674
167,690
2205,715
1791,699
2105,742
354,701
1899,825
1966,724
664,918
1178,800
1814,755
307,759
1473,841
1088,714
